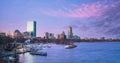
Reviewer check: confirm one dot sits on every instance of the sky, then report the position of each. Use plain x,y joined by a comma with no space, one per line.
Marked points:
88,18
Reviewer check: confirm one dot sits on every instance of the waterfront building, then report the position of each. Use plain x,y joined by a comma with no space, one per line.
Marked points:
31,28
62,36
102,38
46,35
69,32
2,34
63,33
17,34
51,36
76,37
26,35
57,36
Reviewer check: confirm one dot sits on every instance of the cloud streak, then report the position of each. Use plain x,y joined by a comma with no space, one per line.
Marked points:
108,24
87,10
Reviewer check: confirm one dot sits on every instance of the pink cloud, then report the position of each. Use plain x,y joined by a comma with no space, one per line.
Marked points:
81,11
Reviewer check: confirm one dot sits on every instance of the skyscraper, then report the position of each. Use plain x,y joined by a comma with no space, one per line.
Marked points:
57,36
31,28
46,35
70,34
49,35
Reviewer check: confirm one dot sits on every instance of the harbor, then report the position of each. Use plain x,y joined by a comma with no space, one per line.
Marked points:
10,52
104,53
84,53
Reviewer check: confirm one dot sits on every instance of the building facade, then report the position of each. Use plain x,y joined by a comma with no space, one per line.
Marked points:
57,36
70,34
62,36
49,35
18,34
46,35
31,28
26,35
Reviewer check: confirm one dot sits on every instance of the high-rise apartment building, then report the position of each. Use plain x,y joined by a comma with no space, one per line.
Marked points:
31,28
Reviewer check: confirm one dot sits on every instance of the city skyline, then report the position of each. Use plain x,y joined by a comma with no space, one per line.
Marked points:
89,18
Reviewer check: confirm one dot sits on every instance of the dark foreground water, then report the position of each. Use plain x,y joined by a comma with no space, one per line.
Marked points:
105,52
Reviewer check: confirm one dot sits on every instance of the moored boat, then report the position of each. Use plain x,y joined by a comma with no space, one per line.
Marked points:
36,52
39,53
70,46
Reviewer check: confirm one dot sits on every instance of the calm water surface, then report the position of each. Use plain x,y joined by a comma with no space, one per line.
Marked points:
105,52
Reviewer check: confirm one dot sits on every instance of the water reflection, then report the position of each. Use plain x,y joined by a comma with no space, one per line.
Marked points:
84,53
27,58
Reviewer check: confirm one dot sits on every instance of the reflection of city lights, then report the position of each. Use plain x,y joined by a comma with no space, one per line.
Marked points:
21,56
28,58
25,56
21,50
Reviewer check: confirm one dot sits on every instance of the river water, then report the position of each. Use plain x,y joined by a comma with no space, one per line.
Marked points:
94,52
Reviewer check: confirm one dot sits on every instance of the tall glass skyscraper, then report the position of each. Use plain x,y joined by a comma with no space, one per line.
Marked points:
31,28
70,34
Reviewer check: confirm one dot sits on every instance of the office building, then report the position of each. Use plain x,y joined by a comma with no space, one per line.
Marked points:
46,35
31,28
62,36
57,36
51,35
26,35
63,33
70,34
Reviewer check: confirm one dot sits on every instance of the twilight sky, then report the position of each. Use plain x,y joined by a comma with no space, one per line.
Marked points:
89,18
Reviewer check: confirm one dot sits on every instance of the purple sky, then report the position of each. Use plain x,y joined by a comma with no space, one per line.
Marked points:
89,18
